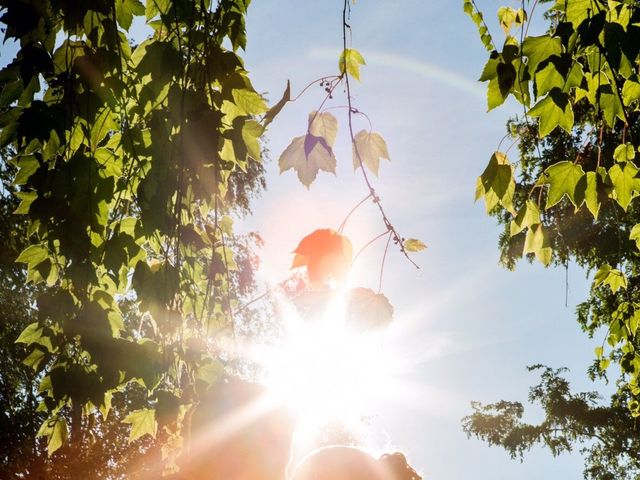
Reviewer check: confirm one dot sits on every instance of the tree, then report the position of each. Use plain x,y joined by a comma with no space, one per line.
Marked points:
571,195
132,160
129,160
606,434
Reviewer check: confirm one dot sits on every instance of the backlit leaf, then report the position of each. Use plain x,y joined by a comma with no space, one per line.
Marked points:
527,216
635,235
610,276
250,102
496,184
369,148
143,422
624,152
413,245
326,254
350,62
307,166
553,110
55,429
368,310
562,178
537,242
537,49
625,183
323,125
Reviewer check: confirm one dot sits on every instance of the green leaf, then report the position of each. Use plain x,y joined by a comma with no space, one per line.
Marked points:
507,16
369,148
599,351
624,152
562,178
251,132
250,102
538,49
547,79
630,91
33,255
142,422
34,359
635,235
611,106
528,215
28,165
496,184
413,245
350,62
587,192
537,242
104,123
55,429
126,10
553,110
624,181
612,277
30,334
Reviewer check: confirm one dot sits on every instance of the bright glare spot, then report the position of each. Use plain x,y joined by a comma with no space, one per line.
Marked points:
324,371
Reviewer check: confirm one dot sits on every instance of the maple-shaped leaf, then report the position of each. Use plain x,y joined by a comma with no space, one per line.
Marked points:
312,152
368,310
324,125
326,254
369,148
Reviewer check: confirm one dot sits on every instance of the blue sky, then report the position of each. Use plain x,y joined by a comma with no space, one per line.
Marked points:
467,327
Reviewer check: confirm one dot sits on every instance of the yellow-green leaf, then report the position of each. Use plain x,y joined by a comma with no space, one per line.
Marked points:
413,245
496,184
350,62
624,152
527,216
143,422
624,181
537,242
610,276
562,178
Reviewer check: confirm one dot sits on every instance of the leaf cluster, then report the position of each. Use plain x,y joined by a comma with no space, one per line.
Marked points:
130,161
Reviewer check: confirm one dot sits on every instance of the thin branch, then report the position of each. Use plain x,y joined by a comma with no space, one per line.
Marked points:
344,222
384,257
362,249
376,199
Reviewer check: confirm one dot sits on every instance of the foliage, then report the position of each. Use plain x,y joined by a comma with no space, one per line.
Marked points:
607,433
130,158
23,454
131,161
572,194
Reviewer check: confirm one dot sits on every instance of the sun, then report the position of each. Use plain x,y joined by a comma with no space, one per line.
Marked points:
323,370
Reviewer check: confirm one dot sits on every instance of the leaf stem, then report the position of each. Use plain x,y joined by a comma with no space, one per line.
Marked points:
384,257
344,222
376,199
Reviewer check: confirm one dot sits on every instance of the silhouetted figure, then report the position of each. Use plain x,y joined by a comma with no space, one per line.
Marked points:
348,463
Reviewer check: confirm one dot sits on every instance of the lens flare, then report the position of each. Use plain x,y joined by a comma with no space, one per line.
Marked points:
324,370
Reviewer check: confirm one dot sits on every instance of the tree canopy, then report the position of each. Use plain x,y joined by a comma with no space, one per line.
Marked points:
571,195
126,162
